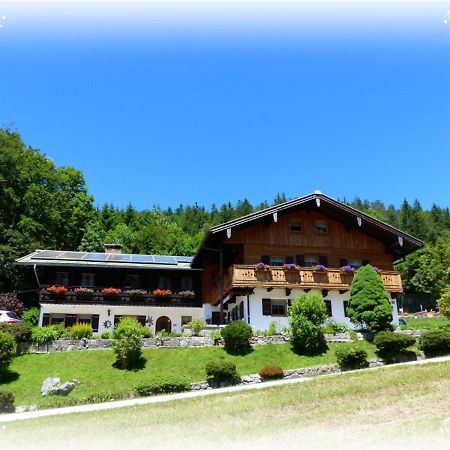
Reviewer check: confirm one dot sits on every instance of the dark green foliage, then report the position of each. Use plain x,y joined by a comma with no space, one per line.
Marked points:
392,347
369,304
435,343
444,303
7,351
128,334
31,316
222,372
6,402
106,335
308,313
21,332
351,356
271,372
237,335
163,387
47,334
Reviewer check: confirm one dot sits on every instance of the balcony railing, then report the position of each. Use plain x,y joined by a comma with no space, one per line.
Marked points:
124,298
247,277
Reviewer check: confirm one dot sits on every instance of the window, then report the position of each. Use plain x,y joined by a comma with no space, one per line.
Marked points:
311,261
345,308
321,227
186,284
356,263
85,319
131,281
329,309
62,278
185,320
295,226
87,279
164,283
274,307
276,261
56,319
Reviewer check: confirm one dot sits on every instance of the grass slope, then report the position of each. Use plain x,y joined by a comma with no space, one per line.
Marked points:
426,323
394,407
98,377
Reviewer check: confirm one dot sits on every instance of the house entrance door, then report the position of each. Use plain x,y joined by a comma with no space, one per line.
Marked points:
163,323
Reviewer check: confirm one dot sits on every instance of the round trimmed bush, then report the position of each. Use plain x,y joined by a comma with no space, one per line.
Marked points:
222,372
390,342
271,372
237,335
127,343
351,356
435,343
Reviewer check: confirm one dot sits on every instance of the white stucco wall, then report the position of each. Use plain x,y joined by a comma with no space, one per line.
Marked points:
261,322
174,313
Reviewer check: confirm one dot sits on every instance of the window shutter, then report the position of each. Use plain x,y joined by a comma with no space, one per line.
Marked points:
365,262
300,260
45,319
343,262
289,260
95,322
323,260
265,259
266,307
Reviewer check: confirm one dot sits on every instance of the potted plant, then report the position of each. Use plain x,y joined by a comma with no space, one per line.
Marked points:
262,266
56,292
111,292
319,268
162,292
347,269
291,266
186,294
84,292
136,293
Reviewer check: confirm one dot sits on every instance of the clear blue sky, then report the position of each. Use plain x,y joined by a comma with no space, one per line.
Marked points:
209,103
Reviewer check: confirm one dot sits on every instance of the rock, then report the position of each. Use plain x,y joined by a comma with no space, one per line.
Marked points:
63,389
26,408
48,384
251,379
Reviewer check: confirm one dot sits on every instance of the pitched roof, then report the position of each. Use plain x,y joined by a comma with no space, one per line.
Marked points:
401,243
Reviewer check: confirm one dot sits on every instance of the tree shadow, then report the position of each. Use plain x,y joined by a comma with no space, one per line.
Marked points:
139,365
398,357
8,377
239,351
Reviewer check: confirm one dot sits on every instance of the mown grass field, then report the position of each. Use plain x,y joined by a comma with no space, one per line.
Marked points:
94,369
394,407
426,323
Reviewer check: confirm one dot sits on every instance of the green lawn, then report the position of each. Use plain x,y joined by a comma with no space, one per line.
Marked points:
394,407
97,375
426,323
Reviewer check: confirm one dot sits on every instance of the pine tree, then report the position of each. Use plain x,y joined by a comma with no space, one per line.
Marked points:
369,301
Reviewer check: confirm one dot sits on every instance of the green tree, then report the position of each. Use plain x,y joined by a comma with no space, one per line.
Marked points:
444,302
307,314
369,303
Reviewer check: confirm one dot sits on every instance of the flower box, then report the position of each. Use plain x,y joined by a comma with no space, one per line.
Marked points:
162,292
136,293
261,266
111,292
347,269
58,290
319,268
288,267
186,294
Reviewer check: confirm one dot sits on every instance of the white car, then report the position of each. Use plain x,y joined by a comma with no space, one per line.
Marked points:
9,317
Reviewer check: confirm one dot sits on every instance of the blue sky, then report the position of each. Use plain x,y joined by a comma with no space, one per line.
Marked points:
201,102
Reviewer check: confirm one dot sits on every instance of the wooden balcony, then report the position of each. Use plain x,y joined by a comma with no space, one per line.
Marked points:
97,297
241,277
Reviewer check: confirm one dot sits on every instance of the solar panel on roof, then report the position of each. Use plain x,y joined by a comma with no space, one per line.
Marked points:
183,258
164,259
72,255
118,257
47,254
95,257
142,258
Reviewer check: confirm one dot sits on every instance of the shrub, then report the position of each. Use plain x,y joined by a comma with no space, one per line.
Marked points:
222,372
333,327
272,330
21,332
271,372
307,315
47,334
31,316
351,356
10,302
369,303
6,402
7,351
196,325
127,342
216,336
81,331
435,343
444,303
162,387
237,335
389,342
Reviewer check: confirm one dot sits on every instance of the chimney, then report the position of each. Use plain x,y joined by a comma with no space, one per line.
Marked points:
113,248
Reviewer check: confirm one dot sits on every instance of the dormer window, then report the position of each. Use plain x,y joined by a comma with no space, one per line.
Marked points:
321,227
